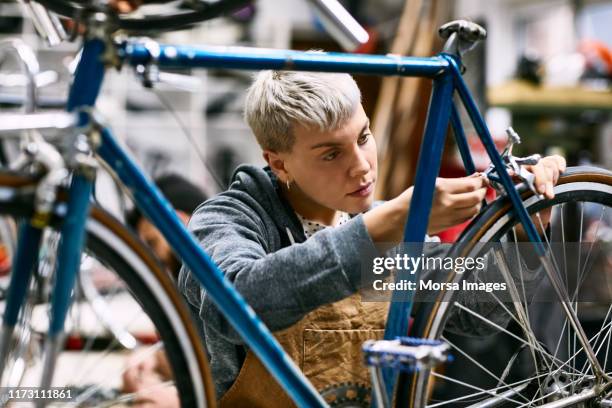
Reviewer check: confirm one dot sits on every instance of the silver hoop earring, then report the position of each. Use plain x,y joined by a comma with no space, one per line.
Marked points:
288,184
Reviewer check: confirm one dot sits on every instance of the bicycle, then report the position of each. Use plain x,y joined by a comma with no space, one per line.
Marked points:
68,211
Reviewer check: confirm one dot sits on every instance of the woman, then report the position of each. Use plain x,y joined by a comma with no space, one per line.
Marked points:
270,234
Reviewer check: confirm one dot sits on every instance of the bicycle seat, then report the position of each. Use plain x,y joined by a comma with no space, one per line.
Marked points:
466,30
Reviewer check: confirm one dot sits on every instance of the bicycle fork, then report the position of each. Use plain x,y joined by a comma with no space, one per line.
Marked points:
68,264
28,244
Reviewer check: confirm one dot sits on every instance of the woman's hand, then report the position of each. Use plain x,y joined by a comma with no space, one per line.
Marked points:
456,200
546,173
124,6
147,379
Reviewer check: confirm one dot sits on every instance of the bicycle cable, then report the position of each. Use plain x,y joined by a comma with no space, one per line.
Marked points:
189,136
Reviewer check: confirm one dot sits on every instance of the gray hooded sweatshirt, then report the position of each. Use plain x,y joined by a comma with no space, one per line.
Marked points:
248,231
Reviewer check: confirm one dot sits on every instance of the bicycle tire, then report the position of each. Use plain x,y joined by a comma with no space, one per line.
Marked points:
153,22
114,245
577,184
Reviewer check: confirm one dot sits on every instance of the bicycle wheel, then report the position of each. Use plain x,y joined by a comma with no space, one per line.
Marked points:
536,357
126,309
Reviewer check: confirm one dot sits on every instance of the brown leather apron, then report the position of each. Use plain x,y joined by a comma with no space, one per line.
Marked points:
326,345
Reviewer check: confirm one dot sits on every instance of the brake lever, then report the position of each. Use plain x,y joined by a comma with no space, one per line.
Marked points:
515,165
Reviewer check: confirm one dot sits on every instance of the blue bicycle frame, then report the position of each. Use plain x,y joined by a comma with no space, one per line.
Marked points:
444,70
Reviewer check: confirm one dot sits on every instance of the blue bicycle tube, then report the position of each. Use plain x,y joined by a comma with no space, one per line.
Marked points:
428,167
172,56
462,143
88,76
242,317
70,248
27,255
83,92
487,141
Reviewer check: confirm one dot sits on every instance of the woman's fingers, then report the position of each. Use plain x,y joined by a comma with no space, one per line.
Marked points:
462,184
124,6
463,214
547,173
541,175
471,199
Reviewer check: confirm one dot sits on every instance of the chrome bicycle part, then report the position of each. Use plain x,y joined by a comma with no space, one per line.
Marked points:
403,354
46,23
340,24
29,64
12,122
515,165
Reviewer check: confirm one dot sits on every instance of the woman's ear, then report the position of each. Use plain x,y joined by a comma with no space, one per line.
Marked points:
278,165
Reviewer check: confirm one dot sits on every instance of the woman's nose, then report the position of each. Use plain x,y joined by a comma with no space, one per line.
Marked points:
361,165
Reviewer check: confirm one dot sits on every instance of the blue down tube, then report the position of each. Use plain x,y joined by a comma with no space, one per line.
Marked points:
242,317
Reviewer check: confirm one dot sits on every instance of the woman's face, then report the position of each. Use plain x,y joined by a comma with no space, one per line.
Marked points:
333,170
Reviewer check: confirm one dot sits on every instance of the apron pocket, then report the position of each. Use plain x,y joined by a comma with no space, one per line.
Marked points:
333,357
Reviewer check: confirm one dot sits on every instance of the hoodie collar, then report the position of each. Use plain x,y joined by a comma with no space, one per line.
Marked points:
262,185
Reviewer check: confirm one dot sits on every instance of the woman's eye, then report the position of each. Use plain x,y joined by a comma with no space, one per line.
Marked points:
363,139
330,156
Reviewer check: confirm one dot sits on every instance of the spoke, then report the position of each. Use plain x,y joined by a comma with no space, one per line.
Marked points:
578,270
563,296
586,369
435,374
518,257
90,340
578,352
147,352
582,271
561,337
571,314
517,385
607,347
547,395
518,306
592,243
550,250
563,244
498,327
499,380
85,371
501,304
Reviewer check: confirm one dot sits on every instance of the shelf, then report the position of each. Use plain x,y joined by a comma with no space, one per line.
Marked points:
525,97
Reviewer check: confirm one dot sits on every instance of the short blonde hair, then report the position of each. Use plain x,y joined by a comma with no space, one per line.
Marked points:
278,100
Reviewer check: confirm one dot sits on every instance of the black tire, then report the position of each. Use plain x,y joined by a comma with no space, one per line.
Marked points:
116,247
152,23
579,184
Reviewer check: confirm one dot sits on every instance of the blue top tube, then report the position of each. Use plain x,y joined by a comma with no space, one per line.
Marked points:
172,56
